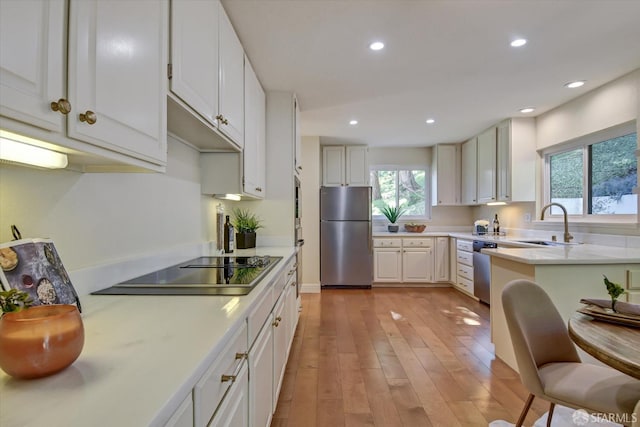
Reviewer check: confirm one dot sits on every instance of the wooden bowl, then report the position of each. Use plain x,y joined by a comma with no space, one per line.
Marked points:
417,228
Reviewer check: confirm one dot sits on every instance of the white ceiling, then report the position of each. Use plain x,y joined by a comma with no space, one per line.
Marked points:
450,60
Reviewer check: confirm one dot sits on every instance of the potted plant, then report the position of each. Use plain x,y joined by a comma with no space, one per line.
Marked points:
246,224
392,213
614,290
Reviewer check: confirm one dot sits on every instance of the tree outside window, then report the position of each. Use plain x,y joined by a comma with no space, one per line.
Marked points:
404,187
604,186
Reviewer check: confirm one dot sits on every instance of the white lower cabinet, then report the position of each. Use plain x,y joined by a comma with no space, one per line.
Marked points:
411,260
242,385
213,390
261,371
183,416
233,411
464,261
417,265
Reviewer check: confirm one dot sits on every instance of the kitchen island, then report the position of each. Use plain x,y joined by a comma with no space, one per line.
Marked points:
566,272
142,357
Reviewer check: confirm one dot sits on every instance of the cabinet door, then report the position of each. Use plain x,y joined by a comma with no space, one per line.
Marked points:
387,265
357,166
280,345
469,172
231,81
417,265
32,42
194,55
183,416
233,411
487,166
261,372
297,157
504,161
441,260
117,62
333,166
446,176
254,134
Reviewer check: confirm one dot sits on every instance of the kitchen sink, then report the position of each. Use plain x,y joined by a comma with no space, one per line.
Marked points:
545,243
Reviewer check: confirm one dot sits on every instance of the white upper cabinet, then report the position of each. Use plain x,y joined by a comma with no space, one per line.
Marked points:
32,42
445,175
487,166
194,55
254,134
297,157
516,160
109,111
207,75
333,166
345,166
231,84
116,84
469,154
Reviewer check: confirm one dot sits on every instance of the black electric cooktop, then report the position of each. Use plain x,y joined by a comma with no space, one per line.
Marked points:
218,275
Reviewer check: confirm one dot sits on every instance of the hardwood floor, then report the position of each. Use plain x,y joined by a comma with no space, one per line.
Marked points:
397,357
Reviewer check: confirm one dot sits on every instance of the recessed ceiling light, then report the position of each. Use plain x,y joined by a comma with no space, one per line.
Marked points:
573,85
353,122
518,42
376,46
527,110
430,121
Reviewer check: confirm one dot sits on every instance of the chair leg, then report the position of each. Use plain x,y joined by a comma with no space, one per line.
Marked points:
551,408
523,414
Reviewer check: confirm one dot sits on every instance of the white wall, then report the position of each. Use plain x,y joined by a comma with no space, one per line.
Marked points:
311,181
609,105
100,218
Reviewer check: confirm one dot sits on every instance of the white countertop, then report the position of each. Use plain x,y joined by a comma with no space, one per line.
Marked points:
526,253
142,356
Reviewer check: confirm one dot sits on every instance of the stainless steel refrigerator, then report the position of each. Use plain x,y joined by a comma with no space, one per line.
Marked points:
346,249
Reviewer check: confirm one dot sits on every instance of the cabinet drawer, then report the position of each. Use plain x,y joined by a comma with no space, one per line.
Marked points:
465,271
465,258
209,391
465,245
387,243
465,284
259,314
417,243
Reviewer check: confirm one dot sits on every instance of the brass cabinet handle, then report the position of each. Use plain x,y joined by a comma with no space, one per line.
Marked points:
279,319
226,378
242,355
222,119
259,189
62,106
88,116
276,323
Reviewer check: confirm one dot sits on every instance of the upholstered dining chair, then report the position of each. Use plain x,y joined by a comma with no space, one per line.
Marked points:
549,365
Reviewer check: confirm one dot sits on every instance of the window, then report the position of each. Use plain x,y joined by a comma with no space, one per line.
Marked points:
595,177
400,186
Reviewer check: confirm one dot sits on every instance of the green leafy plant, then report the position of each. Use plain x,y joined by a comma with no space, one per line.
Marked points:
245,221
14,300
392,212
614,290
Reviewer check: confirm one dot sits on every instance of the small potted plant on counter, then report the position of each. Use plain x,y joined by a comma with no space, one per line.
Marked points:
392,213
246,224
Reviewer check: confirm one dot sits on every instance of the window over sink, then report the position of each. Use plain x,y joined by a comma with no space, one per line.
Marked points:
595,176
400,186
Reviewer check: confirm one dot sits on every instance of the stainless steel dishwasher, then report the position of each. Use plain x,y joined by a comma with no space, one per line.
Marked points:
482,271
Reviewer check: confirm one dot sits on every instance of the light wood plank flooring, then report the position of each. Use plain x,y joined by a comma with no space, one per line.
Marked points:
397,357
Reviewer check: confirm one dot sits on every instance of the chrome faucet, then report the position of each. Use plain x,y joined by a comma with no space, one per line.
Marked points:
567,236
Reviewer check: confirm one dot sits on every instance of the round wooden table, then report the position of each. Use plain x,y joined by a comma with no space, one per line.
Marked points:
616,345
